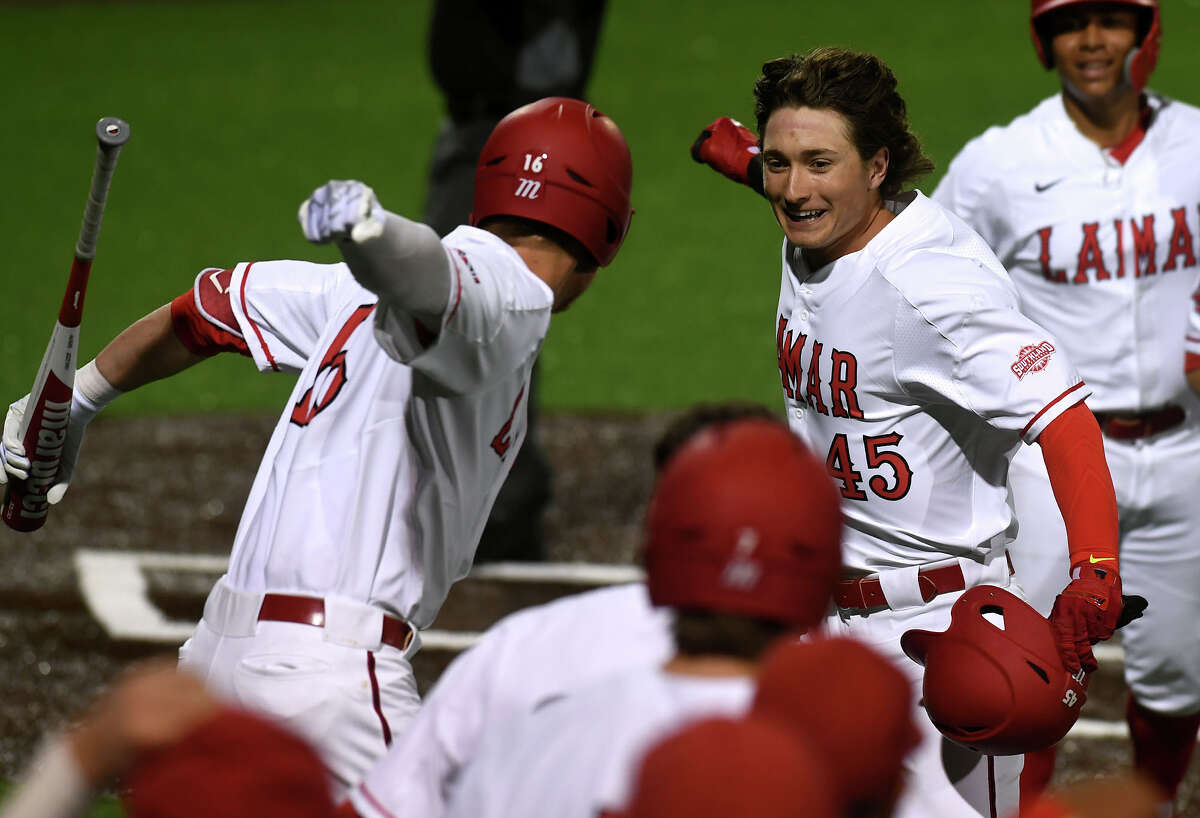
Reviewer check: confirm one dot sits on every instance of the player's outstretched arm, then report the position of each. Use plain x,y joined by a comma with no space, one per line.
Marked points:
1089,608
147,351
730,148
401,261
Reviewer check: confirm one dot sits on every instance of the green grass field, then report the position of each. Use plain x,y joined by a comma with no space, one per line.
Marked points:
239,109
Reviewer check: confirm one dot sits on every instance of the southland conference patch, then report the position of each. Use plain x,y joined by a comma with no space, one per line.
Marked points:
1032,358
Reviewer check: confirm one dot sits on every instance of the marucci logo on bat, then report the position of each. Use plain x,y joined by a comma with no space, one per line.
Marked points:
1032,358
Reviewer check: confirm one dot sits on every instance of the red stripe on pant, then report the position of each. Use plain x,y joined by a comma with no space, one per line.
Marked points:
387,731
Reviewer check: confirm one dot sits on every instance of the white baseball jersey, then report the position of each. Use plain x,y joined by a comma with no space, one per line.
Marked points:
374,488
526,658
576,757
1102,246
381,472
908,366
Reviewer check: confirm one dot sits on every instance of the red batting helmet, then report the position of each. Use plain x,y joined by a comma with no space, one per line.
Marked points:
997,687
1141,60
561,162
745,520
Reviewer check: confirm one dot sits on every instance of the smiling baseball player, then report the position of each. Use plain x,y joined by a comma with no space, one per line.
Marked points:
1090,201
413,360
905,361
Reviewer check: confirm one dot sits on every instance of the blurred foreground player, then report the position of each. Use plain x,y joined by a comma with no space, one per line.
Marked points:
175,752
726,768
738,567
526,658
866,703
413,360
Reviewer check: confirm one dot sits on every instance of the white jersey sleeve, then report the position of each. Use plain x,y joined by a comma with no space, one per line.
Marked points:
496,318
283,307
968,344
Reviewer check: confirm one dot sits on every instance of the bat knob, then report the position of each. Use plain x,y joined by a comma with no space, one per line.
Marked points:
112,132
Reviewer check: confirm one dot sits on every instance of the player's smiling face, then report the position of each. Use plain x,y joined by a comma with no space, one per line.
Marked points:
1090,43
825,196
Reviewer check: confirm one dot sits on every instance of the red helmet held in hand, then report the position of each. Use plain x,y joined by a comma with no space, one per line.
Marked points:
994,680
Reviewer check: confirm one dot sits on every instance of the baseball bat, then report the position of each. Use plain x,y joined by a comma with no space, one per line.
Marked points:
47,414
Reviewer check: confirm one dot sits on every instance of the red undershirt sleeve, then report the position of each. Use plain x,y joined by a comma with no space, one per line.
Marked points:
1074,453
203,318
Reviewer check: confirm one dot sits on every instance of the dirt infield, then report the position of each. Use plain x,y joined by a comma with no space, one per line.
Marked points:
177,485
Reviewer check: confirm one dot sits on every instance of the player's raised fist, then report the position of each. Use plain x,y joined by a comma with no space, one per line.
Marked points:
341,209
1086,612
730,148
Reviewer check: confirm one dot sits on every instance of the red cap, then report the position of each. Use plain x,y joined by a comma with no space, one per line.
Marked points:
234,765
744,520
720,768
844,697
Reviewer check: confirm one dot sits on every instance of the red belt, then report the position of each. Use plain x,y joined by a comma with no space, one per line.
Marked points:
307,610
865,593
1134,425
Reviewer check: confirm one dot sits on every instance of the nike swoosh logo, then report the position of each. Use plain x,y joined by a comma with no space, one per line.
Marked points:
1093,560
1043,188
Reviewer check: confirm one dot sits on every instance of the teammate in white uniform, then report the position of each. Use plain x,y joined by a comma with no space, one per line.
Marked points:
525,658
1090,201
740,569
907,364
379,477
528,657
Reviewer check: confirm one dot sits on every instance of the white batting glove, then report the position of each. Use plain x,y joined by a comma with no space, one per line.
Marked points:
16,464
12,450
341,209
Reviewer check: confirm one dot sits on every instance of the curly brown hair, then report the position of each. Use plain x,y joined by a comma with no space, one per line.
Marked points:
856,85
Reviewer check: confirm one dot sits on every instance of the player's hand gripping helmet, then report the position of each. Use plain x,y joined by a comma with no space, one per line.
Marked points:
561,162
1139,65
994,681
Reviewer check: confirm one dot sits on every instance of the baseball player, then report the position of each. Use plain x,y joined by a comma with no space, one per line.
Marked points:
413,361
906,363
1090,202
527,657
739,568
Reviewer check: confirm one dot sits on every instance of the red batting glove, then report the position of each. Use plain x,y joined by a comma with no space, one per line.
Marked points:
730,148
1086,612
